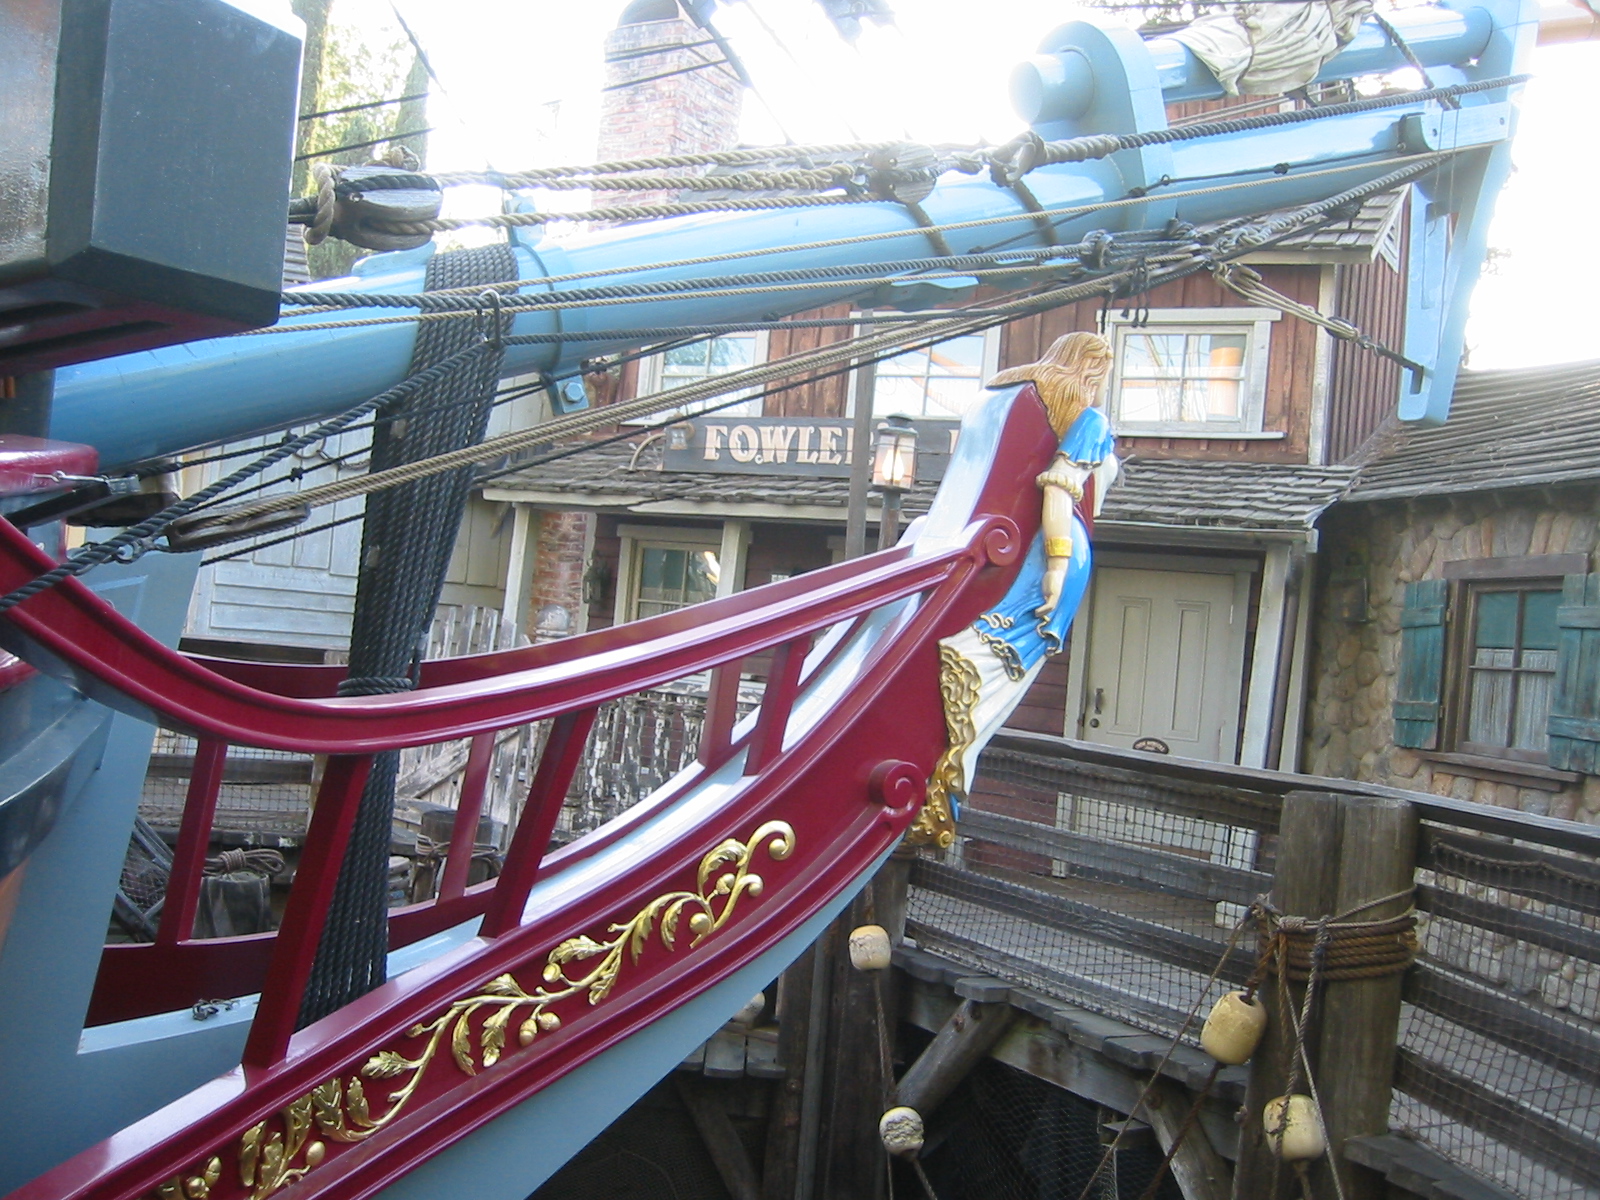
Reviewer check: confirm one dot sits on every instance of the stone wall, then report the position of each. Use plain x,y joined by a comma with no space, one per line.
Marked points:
1349,722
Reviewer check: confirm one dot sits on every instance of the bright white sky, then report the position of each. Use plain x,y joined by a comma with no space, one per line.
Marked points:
520,85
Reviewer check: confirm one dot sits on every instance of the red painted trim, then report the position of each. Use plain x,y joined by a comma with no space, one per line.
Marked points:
722,711
828,785
194,839
28,464
563,753
301,931
783,684
81,629
464,830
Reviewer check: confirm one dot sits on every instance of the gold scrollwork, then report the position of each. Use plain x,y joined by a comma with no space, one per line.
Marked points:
341,1111
192,1187
959,682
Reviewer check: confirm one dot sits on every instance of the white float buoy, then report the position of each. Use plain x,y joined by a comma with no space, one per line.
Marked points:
1301,1131
1233,1030
901,1130
869,948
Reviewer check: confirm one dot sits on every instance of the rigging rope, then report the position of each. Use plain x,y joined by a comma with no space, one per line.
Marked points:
406,543
1055,216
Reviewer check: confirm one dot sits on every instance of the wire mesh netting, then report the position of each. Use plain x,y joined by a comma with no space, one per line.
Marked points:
1004,1135
265,795
1500,1040
1117,895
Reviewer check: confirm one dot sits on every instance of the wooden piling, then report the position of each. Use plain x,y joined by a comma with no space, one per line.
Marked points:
1361,1017
1306,883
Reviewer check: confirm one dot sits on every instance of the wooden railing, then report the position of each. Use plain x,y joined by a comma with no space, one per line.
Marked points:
1112,880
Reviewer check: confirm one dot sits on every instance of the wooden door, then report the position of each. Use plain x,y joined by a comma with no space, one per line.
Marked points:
1165,661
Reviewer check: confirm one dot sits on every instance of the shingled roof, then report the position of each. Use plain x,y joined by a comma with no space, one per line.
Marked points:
1374,230
1181,494
1223,495
1515,428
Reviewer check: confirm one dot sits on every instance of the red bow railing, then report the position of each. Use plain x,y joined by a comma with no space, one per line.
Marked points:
814,800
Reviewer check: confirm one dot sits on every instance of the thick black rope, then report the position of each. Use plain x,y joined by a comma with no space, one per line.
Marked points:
406,544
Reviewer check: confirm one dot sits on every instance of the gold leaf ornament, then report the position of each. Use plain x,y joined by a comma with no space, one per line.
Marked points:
341,1111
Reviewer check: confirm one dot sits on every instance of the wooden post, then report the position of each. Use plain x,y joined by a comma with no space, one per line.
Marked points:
728,1153
1201,1172
850,1157
1361,1017
794,1007
961,1043
1306,883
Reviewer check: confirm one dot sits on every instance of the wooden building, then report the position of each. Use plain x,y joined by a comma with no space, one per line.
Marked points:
1457,647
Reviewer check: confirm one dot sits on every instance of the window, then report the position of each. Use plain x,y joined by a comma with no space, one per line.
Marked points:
1198,372
702,360
1508,669
943,381
1500,661
664,568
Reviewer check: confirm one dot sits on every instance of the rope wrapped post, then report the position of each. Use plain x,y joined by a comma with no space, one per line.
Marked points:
1340,925
1306,881
1361,1017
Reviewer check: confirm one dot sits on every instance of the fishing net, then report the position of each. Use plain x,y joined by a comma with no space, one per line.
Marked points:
1004,1135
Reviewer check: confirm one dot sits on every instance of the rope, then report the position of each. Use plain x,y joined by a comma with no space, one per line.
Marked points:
230,862
1029,151
1342,950
406,545
892,340
1249,284
134,541
889,340
1055,216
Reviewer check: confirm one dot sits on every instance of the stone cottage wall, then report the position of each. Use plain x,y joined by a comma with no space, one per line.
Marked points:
1350,724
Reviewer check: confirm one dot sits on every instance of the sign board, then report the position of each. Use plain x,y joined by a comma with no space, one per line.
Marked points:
811,446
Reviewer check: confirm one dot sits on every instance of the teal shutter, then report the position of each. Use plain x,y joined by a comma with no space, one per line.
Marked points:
1416,698
1575,705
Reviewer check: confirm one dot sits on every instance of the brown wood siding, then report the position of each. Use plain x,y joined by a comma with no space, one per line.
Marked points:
818,397
1291,361
1362,388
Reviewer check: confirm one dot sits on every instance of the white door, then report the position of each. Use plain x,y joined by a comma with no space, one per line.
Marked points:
1165,659
1165,666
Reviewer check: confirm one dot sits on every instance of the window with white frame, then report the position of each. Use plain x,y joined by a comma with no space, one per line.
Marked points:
702,360
1198,372
943,381
664,568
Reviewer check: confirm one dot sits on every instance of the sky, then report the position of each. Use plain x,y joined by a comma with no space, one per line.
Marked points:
519,87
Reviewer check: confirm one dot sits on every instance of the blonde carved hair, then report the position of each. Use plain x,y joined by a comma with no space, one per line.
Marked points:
1069,377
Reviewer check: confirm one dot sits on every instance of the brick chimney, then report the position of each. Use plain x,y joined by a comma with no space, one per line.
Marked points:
687,112
691,112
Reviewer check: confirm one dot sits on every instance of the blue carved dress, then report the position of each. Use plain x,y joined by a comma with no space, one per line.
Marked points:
1012,630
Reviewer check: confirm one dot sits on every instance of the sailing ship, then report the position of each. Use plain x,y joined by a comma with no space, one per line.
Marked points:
510,1020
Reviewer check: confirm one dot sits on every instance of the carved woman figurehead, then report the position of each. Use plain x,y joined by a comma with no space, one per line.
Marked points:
1069,377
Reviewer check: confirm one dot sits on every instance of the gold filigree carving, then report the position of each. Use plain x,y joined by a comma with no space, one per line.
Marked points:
192,1187
341,1111
959,682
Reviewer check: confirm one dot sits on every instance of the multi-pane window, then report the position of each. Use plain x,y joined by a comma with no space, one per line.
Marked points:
1187,377
1199,372
698,361
943,381
1508,669
671,577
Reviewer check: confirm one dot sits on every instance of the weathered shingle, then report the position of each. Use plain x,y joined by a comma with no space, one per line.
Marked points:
1223,495
1182,494
1514,428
